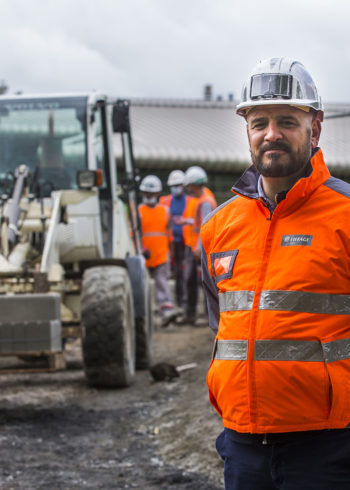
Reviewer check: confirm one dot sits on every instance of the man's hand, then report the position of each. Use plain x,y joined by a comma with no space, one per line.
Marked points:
180,220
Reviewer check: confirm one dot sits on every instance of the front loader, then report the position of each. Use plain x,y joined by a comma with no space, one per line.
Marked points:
71,262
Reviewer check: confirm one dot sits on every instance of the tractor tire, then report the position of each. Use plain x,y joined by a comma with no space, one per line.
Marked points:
144,331
108,327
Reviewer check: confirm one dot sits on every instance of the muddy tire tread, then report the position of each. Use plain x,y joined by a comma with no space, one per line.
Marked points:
108,325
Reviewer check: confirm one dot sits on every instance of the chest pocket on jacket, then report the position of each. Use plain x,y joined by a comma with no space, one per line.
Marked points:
222,264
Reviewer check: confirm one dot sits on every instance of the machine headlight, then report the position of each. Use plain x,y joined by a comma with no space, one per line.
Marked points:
87,179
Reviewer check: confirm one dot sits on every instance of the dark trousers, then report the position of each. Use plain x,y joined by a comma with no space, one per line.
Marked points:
179,266
319,461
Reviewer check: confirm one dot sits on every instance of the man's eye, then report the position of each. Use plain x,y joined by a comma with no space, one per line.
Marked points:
258,125
288,124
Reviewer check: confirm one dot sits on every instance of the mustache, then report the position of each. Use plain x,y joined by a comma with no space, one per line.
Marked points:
276,145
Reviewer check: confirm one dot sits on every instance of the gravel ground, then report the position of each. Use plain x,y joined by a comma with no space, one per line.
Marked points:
56,432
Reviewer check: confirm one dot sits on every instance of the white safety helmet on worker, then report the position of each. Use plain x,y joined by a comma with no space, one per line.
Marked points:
195,176
151,183
176,177
280,81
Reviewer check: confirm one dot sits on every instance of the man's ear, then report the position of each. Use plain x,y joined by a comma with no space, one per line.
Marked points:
315,131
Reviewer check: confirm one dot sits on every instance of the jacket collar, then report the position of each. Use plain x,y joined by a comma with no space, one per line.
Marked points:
316,174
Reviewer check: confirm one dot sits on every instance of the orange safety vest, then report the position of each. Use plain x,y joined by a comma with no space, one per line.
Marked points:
188,212
155,233
191,232
165,200
210,194
206,197
279,290
198,218
190,237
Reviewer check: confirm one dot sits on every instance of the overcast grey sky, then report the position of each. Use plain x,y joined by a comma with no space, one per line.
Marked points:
169,48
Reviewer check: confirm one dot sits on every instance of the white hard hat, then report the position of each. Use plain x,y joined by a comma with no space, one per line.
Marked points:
279,81
151,183
195,175
176,177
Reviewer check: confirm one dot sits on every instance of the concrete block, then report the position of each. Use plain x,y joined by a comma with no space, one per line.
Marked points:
29,307
6,341
30,323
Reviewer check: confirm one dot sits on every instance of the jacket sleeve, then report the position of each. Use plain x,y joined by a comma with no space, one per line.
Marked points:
211,293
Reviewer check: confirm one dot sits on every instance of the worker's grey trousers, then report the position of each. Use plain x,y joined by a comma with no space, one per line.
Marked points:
160,274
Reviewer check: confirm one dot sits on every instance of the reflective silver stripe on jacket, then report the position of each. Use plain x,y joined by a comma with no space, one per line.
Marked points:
155,233
332,304
284,350
288,350
231,350
236,300
337,350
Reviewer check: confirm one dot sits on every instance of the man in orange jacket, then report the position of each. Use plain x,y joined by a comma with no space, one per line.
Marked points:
156,234
276,270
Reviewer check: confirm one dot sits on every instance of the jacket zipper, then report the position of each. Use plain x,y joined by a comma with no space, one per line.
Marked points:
255,313
251,364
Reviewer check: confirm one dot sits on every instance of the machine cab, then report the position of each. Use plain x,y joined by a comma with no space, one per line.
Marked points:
65,141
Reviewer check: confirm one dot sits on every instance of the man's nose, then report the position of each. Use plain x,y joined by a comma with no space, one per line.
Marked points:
273,132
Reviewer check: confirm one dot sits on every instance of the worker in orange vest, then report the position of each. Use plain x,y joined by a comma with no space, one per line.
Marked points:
276,270
195,180
156,236
206,189
201,204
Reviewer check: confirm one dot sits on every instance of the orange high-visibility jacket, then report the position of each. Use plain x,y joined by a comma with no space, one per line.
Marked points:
278,288
155,233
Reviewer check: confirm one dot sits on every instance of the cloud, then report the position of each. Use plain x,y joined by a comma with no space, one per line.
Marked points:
163,48
56,63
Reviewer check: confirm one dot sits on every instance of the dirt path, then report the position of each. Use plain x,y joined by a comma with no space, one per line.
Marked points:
58,433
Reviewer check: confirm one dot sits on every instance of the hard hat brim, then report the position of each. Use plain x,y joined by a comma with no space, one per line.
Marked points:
243,108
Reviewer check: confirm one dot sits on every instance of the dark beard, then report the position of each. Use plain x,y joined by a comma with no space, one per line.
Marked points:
274,168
